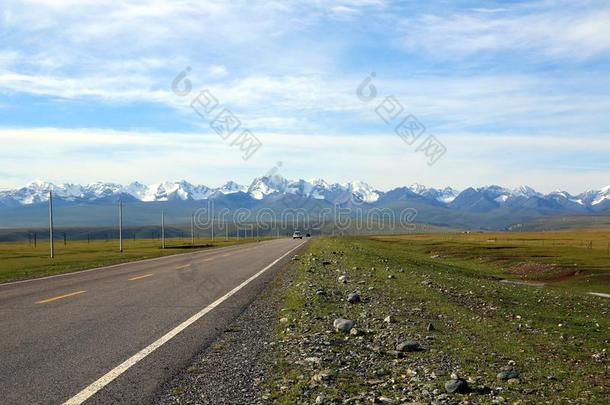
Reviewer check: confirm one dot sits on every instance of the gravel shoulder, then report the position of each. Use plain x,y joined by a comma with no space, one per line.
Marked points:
231,370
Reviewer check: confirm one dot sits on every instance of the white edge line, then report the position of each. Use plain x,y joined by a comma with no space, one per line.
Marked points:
600,294
152,259
107,378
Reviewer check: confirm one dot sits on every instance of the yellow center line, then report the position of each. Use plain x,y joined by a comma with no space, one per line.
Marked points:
208,260
226,254
183,267
139,277
60,297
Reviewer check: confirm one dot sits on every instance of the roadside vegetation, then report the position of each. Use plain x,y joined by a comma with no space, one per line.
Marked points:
21,260
428,319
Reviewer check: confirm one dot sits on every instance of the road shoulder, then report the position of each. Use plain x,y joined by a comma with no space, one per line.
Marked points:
232,368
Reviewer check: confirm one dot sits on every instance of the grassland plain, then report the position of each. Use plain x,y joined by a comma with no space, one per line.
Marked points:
443,293
20,260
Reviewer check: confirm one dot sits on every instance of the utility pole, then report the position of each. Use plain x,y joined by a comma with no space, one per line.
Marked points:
162,229
51,223
193,229
212,227
121,226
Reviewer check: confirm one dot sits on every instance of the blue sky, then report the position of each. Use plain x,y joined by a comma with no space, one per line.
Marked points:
518,92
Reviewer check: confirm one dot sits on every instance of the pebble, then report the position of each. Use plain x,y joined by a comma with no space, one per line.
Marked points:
409,346
343,325
355,332
508,374
353,298
458,385
323,375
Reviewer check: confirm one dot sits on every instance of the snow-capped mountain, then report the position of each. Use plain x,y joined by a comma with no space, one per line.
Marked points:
231,187
363,192
262,187
445,195
482,199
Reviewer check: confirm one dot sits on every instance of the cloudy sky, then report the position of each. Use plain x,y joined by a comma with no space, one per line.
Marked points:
517,94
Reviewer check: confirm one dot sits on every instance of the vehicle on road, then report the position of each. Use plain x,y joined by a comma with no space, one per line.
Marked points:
297,235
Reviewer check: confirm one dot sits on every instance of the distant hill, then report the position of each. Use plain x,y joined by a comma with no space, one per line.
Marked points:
485,208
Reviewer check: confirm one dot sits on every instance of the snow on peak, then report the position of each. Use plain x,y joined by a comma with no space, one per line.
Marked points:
418,188
267,185
262,187
602,195
363,191
445,195
231,187
526,191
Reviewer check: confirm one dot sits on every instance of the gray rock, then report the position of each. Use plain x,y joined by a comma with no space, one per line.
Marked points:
458,385
353,298
508,374
395,353
343,325
409,346
355,332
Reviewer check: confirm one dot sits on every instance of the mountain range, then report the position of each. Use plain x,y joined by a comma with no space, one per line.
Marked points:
489,207
474,199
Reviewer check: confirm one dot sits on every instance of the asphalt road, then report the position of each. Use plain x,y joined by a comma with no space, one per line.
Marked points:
115,334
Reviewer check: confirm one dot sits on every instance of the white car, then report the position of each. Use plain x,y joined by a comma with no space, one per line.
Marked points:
297,235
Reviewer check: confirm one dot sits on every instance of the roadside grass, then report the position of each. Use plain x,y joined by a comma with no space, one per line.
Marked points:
557,336
20,260
564,258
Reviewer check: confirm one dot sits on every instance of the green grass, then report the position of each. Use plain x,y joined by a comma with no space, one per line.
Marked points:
570,259
556,334
20,260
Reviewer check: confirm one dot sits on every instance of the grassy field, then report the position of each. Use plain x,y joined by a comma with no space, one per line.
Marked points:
572,259
20,260
444,292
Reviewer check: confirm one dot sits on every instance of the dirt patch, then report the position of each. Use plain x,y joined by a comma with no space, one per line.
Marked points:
544,271
533,268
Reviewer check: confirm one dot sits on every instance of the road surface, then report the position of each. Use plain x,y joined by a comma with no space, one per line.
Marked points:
114,335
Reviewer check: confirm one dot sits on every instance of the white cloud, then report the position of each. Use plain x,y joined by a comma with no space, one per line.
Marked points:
87,155
217,71
292,67
563,29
